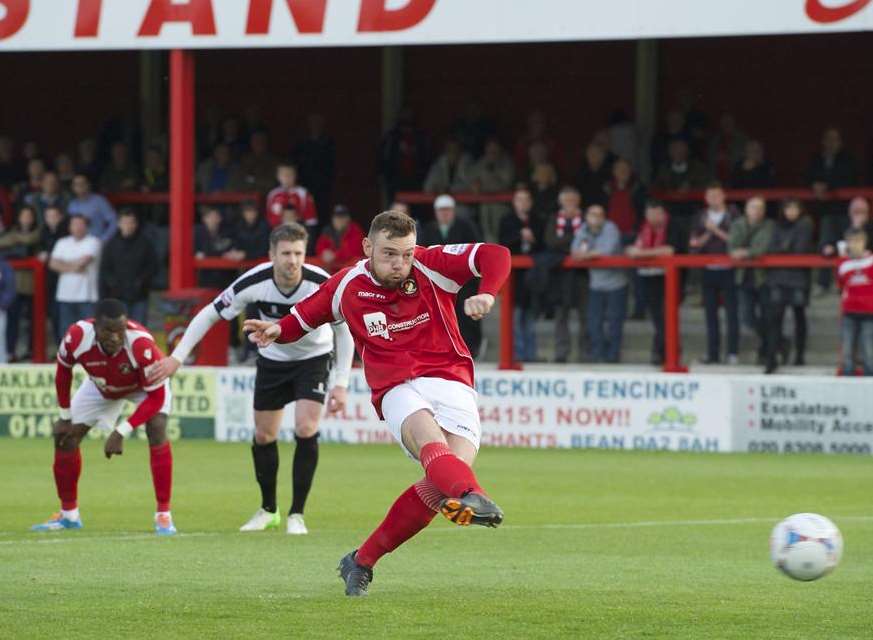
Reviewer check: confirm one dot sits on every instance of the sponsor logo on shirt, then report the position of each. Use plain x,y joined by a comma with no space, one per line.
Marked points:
409,287
124,368
377,324
455,249
409,324
371,295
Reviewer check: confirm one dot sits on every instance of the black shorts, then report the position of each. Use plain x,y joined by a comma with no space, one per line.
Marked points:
280,383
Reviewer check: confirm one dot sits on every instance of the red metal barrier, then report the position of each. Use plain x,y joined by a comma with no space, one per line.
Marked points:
734,195
672,267
37,346
138,197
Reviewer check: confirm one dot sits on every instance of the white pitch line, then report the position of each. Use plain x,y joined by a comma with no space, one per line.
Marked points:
73,536
659,523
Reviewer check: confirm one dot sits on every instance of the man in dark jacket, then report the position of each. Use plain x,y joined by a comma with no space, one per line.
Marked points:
54,227
447,228
788,287
252,238
834,167
522,231
709,235
127,267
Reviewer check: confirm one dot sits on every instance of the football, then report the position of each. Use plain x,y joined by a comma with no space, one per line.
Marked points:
806,546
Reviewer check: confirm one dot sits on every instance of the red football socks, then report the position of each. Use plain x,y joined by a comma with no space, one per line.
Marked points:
406,517
451,475
67,469
161,460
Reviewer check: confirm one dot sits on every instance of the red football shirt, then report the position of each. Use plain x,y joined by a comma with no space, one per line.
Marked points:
114,376
856,281
409,332
280,197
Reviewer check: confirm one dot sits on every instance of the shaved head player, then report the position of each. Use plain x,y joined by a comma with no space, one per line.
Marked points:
399,305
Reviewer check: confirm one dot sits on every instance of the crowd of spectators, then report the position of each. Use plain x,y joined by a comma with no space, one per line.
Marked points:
56,209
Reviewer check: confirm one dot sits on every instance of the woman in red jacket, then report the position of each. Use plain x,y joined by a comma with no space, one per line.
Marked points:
340,241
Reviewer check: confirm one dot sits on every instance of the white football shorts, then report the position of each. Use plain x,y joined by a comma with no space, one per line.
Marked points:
452,404
89,407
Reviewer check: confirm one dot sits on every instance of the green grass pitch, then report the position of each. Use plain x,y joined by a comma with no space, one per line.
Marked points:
595,545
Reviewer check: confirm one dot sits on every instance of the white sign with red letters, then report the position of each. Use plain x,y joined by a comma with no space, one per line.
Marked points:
208,24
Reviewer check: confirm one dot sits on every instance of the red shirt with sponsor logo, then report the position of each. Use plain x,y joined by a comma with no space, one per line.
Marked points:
856,281
299,197
114,376
411,331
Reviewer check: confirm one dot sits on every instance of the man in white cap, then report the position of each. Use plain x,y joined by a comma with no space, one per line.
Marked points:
449,228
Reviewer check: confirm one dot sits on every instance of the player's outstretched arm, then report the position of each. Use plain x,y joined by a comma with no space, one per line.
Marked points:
494,264
199,327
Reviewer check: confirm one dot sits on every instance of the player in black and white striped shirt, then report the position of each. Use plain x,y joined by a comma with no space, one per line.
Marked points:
295,372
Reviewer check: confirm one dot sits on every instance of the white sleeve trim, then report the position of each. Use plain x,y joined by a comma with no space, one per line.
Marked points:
345,352
443,282
297,315
471,260
199,327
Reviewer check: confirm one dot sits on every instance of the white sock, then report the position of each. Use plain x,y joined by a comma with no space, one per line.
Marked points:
72,514
158,514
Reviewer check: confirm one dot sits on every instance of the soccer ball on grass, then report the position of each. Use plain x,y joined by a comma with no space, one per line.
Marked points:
806,546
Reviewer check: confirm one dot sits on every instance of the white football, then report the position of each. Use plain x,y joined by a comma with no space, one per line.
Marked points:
806,546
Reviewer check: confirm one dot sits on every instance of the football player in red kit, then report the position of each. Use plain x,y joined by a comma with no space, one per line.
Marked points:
114,352
399,305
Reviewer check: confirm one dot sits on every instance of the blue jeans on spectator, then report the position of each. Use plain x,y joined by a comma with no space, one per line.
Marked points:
525,336
857,336
71,312
606,314
138,311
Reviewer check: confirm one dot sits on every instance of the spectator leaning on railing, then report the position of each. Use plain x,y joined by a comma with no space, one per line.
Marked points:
856,283
290,193
50,194
709,235
607,288
448,228
102,219
521,231
21,241
128,265
753,171
833,167
560,231
594,174
251,239
76,258
493,173
658,237
121,174
788,287
858,217
749,239
341,241
54,227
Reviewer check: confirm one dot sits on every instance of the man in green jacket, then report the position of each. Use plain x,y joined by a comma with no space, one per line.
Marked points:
749,239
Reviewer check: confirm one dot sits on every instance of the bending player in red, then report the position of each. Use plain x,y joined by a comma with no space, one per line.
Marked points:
400,307
114,352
